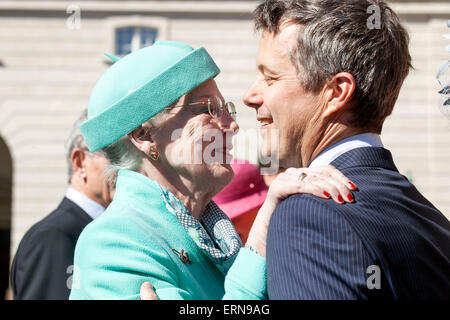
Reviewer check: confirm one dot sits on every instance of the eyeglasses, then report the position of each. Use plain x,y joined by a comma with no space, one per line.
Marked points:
216,107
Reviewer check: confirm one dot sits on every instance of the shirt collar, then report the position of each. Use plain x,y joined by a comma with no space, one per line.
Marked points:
357,141
92,208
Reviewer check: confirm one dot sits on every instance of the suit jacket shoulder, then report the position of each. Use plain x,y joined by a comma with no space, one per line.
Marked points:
401,232
39,269
314,253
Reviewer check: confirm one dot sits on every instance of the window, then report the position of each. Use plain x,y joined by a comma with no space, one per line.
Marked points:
129,39
128,34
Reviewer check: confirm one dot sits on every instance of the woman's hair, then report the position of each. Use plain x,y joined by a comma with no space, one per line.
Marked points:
123,154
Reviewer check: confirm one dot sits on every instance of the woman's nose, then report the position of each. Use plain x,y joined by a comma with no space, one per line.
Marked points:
226,122
252,97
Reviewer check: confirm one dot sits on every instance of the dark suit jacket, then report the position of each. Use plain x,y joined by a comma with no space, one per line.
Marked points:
391,243
40,267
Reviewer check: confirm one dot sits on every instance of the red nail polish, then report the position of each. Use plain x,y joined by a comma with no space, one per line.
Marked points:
352,186
350,198
326,194
340,199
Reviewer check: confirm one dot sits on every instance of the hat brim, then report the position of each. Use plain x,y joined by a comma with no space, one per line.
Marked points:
238,207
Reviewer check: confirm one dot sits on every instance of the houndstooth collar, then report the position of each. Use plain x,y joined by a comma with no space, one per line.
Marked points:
215,235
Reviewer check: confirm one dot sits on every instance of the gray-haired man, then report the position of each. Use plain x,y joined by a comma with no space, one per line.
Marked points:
43,265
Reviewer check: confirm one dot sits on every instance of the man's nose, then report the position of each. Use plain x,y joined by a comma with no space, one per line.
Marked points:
252,97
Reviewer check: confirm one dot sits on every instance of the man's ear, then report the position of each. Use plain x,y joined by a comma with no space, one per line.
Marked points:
341,89
78,159
142,139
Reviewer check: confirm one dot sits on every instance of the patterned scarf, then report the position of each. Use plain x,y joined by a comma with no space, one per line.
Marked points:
215,236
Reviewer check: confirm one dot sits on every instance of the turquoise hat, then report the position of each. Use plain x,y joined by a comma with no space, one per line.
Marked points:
139,86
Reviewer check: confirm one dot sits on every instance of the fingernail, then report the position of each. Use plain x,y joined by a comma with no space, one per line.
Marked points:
350,197
340,199
351,185
147,285
326,194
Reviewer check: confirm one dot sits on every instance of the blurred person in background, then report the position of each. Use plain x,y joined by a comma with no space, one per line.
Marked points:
443,78
242,198
43,265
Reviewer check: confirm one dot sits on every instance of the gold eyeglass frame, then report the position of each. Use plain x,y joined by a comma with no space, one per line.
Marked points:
229,107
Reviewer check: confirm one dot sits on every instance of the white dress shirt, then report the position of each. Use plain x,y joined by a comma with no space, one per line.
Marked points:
92,208
360,140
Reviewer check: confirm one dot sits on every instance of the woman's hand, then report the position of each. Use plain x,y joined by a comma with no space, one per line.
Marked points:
323,182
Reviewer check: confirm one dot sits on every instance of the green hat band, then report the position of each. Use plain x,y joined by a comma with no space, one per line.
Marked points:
148,100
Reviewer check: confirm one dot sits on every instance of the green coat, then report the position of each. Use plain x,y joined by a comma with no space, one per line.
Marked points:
132,242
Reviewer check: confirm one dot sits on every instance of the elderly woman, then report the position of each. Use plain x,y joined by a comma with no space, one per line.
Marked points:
150,113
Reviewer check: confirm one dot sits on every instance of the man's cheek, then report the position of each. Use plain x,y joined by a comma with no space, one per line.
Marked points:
269,151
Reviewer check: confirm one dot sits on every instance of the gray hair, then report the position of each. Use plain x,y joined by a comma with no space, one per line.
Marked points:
334,38
75,140
123,154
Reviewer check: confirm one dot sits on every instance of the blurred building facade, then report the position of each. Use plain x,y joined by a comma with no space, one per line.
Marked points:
51,55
